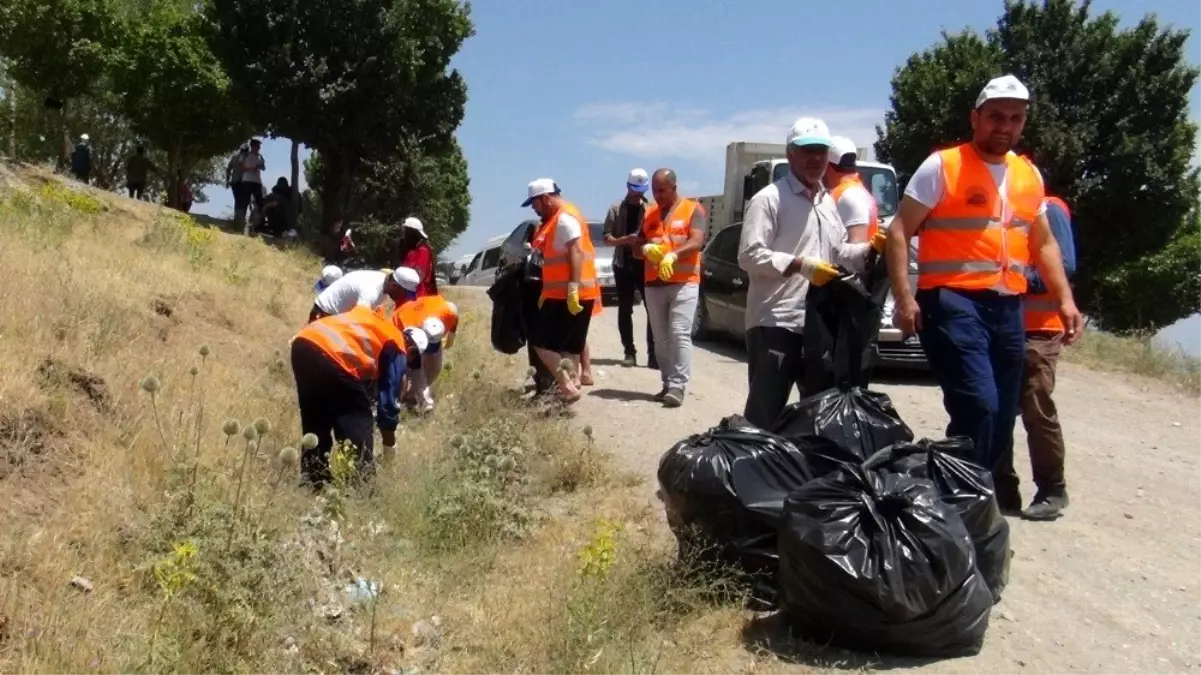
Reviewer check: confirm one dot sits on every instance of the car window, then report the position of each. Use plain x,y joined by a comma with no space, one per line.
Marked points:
597,232
491,258
512,251
474,263
725,245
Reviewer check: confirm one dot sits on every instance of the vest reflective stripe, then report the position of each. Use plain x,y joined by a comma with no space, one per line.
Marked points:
973,239
687,268
873,222
353,340
1040,311
556,265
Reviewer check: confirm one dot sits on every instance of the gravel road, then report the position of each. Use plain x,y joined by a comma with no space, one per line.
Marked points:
1114,586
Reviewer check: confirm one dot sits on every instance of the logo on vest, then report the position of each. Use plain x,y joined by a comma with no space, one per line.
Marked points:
976,197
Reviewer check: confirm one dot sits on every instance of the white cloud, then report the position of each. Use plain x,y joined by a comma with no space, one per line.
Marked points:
654,130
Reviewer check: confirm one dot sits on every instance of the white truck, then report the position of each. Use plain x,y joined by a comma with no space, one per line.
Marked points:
750,167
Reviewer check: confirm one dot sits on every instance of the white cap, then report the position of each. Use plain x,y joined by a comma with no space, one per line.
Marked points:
419,338
638,181
415,224
1004,87
407,277
83,137
539,187
840,147
808,131
329,274
434,328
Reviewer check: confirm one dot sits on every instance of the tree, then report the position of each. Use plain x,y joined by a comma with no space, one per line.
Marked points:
349,80
1109,128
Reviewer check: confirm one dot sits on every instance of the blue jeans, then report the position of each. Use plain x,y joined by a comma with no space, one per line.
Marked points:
975,344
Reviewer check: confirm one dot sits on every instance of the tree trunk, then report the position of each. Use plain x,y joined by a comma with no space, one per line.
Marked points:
294,204
174,164
332,183
12,122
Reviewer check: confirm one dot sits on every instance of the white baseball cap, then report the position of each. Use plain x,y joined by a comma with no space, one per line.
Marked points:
434,329
808,131
83,137
329,274
638,181
1004,87
539,187
415,224
407,277
843,153
420,340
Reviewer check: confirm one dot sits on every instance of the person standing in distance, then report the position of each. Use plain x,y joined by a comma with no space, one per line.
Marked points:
623,223
855,203
982,213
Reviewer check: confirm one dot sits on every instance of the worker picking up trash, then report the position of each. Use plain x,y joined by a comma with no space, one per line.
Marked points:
365,288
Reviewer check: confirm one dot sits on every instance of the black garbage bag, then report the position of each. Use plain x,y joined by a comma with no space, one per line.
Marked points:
508,328
859,421
967,488
724,490
875,561
842,327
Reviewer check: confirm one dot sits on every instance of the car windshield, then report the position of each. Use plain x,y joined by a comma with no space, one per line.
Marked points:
880,181
597,232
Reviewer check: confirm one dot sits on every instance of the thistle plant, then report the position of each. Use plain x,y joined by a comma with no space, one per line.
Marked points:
173,574
251,435
151,385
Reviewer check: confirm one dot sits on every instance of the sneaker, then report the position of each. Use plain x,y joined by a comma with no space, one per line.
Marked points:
1046,506
661,395
674,398
630,361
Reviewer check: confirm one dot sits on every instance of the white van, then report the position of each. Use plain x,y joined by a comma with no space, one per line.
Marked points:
481,271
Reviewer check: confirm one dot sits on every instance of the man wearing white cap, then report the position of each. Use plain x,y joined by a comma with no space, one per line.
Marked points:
329,274
622,225
981,209
790,232
854,201
569,285
415,253
365,288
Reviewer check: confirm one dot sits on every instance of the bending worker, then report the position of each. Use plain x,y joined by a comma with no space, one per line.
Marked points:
365,288
329,274
982,214
672,235
438,318
334,360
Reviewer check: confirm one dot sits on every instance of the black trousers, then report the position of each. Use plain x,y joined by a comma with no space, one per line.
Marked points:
775,364
630,281
334,405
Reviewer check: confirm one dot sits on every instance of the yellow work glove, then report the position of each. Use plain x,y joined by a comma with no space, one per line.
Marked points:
573,299
667,266
818,271
653,253
879,240
541,299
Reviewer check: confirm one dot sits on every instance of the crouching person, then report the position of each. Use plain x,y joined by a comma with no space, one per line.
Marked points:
438,318
335,359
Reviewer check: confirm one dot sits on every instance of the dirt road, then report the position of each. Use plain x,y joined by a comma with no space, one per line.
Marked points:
1115,586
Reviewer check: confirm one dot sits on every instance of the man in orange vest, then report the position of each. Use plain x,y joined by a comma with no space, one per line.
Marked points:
981,212
335,359
855,203
673,233
438,318
1044,341
569,286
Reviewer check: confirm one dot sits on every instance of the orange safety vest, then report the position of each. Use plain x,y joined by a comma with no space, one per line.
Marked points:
556,265
353,340
1039,310
687,268
413,313
972,239
873,222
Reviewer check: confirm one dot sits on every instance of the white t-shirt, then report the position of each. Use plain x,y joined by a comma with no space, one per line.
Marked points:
855,206
566,229
253,165
927,185
364,288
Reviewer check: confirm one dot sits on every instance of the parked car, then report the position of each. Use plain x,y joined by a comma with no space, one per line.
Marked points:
513,252
481,271
722,306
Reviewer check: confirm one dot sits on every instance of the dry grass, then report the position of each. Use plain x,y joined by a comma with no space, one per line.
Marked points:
1140,356
501,537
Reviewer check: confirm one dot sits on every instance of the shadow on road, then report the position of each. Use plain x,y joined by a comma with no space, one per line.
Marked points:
622,394
772,633
607,362
736,351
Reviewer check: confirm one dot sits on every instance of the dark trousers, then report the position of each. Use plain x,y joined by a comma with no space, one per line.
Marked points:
1044,435
334,405
975,343
630,281
775,364
136,190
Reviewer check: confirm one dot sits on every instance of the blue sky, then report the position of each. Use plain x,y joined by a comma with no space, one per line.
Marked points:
670,83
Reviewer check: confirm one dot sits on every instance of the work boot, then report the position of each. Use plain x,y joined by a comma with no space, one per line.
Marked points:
674,398
661,395
630,361
1047,505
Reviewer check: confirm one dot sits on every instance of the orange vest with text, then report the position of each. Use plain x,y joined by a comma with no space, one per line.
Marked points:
556,265
412,313
353,340
873,223
973,239
1039,310
672,235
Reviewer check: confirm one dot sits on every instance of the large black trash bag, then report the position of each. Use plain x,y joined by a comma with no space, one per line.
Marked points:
842,326
875,561
724,490
967,488
858,421
508,327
